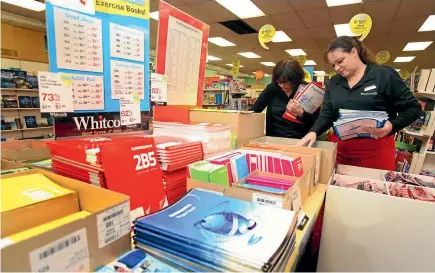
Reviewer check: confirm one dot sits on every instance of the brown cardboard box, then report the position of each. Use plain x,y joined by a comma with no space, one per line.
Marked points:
290,200
25,150
90,233
309,162
9,165
328,158
244,126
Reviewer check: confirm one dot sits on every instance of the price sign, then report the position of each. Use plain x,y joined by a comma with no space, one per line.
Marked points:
404,74
55,92
266,34
332,74
236,62
159,88
129,108
132,167
235,72
361,24
382,57
301,59
307,77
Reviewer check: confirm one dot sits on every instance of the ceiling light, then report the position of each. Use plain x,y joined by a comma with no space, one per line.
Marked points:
267,75
242,8
398,70
27,4
296,52
334,3
319,73
310,62
250,55
280,37
213,58
343,30
404,59
268,63
231,65
220,42
154,15
417,46
429,24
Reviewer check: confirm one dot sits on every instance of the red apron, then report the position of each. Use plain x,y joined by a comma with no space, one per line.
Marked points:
366,152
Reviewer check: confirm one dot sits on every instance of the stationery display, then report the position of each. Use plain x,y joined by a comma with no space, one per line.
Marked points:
118,163
310,97
411,192
215,138
353,123
217,233
408,179
369,185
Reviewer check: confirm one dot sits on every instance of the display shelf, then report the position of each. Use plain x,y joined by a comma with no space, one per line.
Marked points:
17,109
28,129
19,90
214,90
430,152
212,105
420,134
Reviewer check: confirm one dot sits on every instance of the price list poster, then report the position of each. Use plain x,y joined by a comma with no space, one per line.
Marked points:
181,55
104,46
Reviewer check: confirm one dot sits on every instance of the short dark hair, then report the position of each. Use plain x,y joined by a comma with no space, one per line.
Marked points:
290,70
346,43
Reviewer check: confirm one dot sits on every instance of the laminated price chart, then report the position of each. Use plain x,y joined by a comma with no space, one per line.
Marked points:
126,43
127,79
88,92
78,40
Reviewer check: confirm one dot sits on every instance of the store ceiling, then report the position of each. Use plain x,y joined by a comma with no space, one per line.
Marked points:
310,25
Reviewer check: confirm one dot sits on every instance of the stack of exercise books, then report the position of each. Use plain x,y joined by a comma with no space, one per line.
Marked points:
174,155
354,123
113,163
310,97
208,232
215,137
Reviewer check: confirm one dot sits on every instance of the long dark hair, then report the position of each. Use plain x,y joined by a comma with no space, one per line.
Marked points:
290,70
346,43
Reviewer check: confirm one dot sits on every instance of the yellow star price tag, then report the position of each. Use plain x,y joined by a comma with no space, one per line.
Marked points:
382,57
361,24
266,34
404,74
301,59
307,77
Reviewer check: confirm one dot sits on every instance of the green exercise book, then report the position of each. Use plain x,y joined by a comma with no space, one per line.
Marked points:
199,171
219,175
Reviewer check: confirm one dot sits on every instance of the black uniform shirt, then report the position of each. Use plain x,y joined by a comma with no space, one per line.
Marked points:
276,102
380,89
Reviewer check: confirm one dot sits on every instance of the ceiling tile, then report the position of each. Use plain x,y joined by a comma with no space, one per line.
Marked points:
213,11
288,20
298,34
382,9
305,44
315,17
399,27
198,15
323,43
307,4
325,32
218,30
258,22
380,26
343,14
411,8
273,7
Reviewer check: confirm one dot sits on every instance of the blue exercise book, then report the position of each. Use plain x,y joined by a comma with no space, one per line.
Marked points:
228,226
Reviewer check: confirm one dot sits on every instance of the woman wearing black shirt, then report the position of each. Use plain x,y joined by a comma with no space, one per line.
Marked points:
278,96
361,84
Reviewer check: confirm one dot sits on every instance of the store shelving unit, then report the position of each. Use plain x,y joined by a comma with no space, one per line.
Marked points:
18,112
214,87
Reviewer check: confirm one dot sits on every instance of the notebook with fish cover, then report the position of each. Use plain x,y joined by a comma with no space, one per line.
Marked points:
228,227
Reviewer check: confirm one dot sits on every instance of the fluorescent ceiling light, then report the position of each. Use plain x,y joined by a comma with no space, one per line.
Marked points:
429,24
310,62
242,8
398,70
154,15
268,63
320,73
404,59
415,46
343,30
213,58
296,52
334,3
220,42
27,4
231,65
267,75
250,55
280,37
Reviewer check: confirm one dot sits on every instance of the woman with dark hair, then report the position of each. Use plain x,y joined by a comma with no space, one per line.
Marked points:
278,96
361,84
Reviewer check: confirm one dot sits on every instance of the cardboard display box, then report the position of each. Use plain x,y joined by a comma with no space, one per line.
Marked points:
375,232
25,150
290,200
308,161
244,126
9,165
81,245
328,153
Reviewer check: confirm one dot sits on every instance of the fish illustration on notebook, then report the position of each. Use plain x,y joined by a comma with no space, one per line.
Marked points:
225,225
